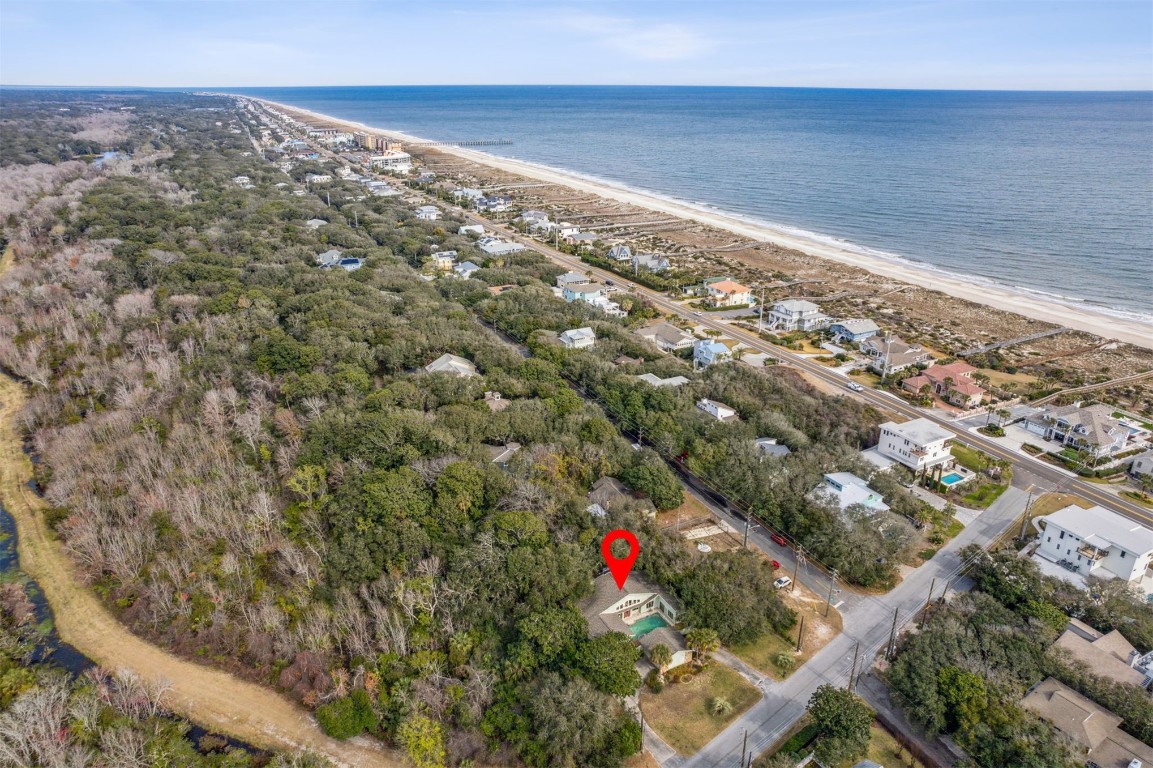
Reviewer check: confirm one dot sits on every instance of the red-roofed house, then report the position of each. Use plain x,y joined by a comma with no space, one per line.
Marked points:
728,293
953,383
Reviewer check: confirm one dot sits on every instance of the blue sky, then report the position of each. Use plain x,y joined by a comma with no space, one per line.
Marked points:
1102,44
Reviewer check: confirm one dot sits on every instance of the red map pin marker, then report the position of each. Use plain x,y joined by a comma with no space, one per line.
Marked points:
620,566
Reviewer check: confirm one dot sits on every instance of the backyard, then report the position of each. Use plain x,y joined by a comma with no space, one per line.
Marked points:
682,713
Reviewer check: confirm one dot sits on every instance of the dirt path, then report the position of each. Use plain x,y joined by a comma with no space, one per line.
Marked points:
209,697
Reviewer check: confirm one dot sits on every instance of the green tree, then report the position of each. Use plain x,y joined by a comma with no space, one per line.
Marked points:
608,662
660,656
732,593
843,719
346,717
702,641
422,739
964,694
654,479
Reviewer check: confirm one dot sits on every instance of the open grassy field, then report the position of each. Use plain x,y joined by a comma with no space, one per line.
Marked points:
681,712
1051,502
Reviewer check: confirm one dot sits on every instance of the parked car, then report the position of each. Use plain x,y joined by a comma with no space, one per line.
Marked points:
782,582
779,539
776,565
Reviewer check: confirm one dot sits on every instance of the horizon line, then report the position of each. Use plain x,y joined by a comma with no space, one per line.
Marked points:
225,88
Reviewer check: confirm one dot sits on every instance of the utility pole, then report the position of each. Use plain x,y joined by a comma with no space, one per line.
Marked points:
853,671
1025,521
892,635
829,602
801,633
797,567
745,747
928,601
761,314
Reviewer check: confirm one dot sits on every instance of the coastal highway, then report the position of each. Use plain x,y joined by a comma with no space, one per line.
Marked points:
1048,475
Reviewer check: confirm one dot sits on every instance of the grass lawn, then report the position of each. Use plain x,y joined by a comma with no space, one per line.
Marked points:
1000,378
970,459
680,713
1050,502
884,750
762,654
984,495
819,630
1138,497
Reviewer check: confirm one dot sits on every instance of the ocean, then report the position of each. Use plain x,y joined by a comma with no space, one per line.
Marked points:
1040,191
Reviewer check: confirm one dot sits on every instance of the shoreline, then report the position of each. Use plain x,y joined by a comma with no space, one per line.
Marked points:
1120,325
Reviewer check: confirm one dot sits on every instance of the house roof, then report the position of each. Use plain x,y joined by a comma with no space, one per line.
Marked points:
1104,524
711,345
500,454
857,325
770,446
606,595
448,363
1104,655
854,490
657,381
466,266
575,334
663,636
572,277
666,332
915,383
956,371
728,286
1071,713
1097,420
796,305
919,431
607,490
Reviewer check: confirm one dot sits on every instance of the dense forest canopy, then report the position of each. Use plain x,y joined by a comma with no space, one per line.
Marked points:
246,458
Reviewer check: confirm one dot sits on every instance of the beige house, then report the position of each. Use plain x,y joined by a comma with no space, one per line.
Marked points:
1105,655
640,610
1095,729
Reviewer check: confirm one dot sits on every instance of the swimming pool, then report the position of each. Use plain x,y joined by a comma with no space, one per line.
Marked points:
952,478
647,624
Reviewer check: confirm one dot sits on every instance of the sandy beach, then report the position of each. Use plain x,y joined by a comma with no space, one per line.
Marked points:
1083,318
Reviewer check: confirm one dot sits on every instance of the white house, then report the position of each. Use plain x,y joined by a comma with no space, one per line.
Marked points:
329,258
708,351
770,446
727,293
1098,542
796,315
392,160
495,247
565,229
620,609
316,223
428,213
918,444
578,338
471,229
535,219
1142,465
444,260
467,193
653,262
457,366
466,269
846,489
857,329
666,337
1090,428
718,411
891,354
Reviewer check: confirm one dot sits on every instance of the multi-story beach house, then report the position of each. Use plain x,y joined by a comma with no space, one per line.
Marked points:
1084,428
428,213
718,411
453,364
846,490
578,338
620,252
653,262
889,354
666,337
727,293
855,330
796,315
1098,542
709,351
918,444
569,279
585,292
392,160
494,246
953,383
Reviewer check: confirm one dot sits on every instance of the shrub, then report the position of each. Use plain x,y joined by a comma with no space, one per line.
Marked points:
347,717
655,681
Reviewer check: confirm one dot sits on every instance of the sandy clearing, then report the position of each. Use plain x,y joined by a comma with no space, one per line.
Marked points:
1133,331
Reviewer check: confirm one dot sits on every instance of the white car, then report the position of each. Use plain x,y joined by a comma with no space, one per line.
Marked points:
698,314
855,386
782,582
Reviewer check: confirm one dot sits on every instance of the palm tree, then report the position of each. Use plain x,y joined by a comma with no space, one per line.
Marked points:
1003,414
720,706
989,410
702,641
660,656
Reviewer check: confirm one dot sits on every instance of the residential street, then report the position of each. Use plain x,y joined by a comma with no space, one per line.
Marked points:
868,621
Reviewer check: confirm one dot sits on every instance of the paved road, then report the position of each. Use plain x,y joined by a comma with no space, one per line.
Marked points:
869,622
1047,475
